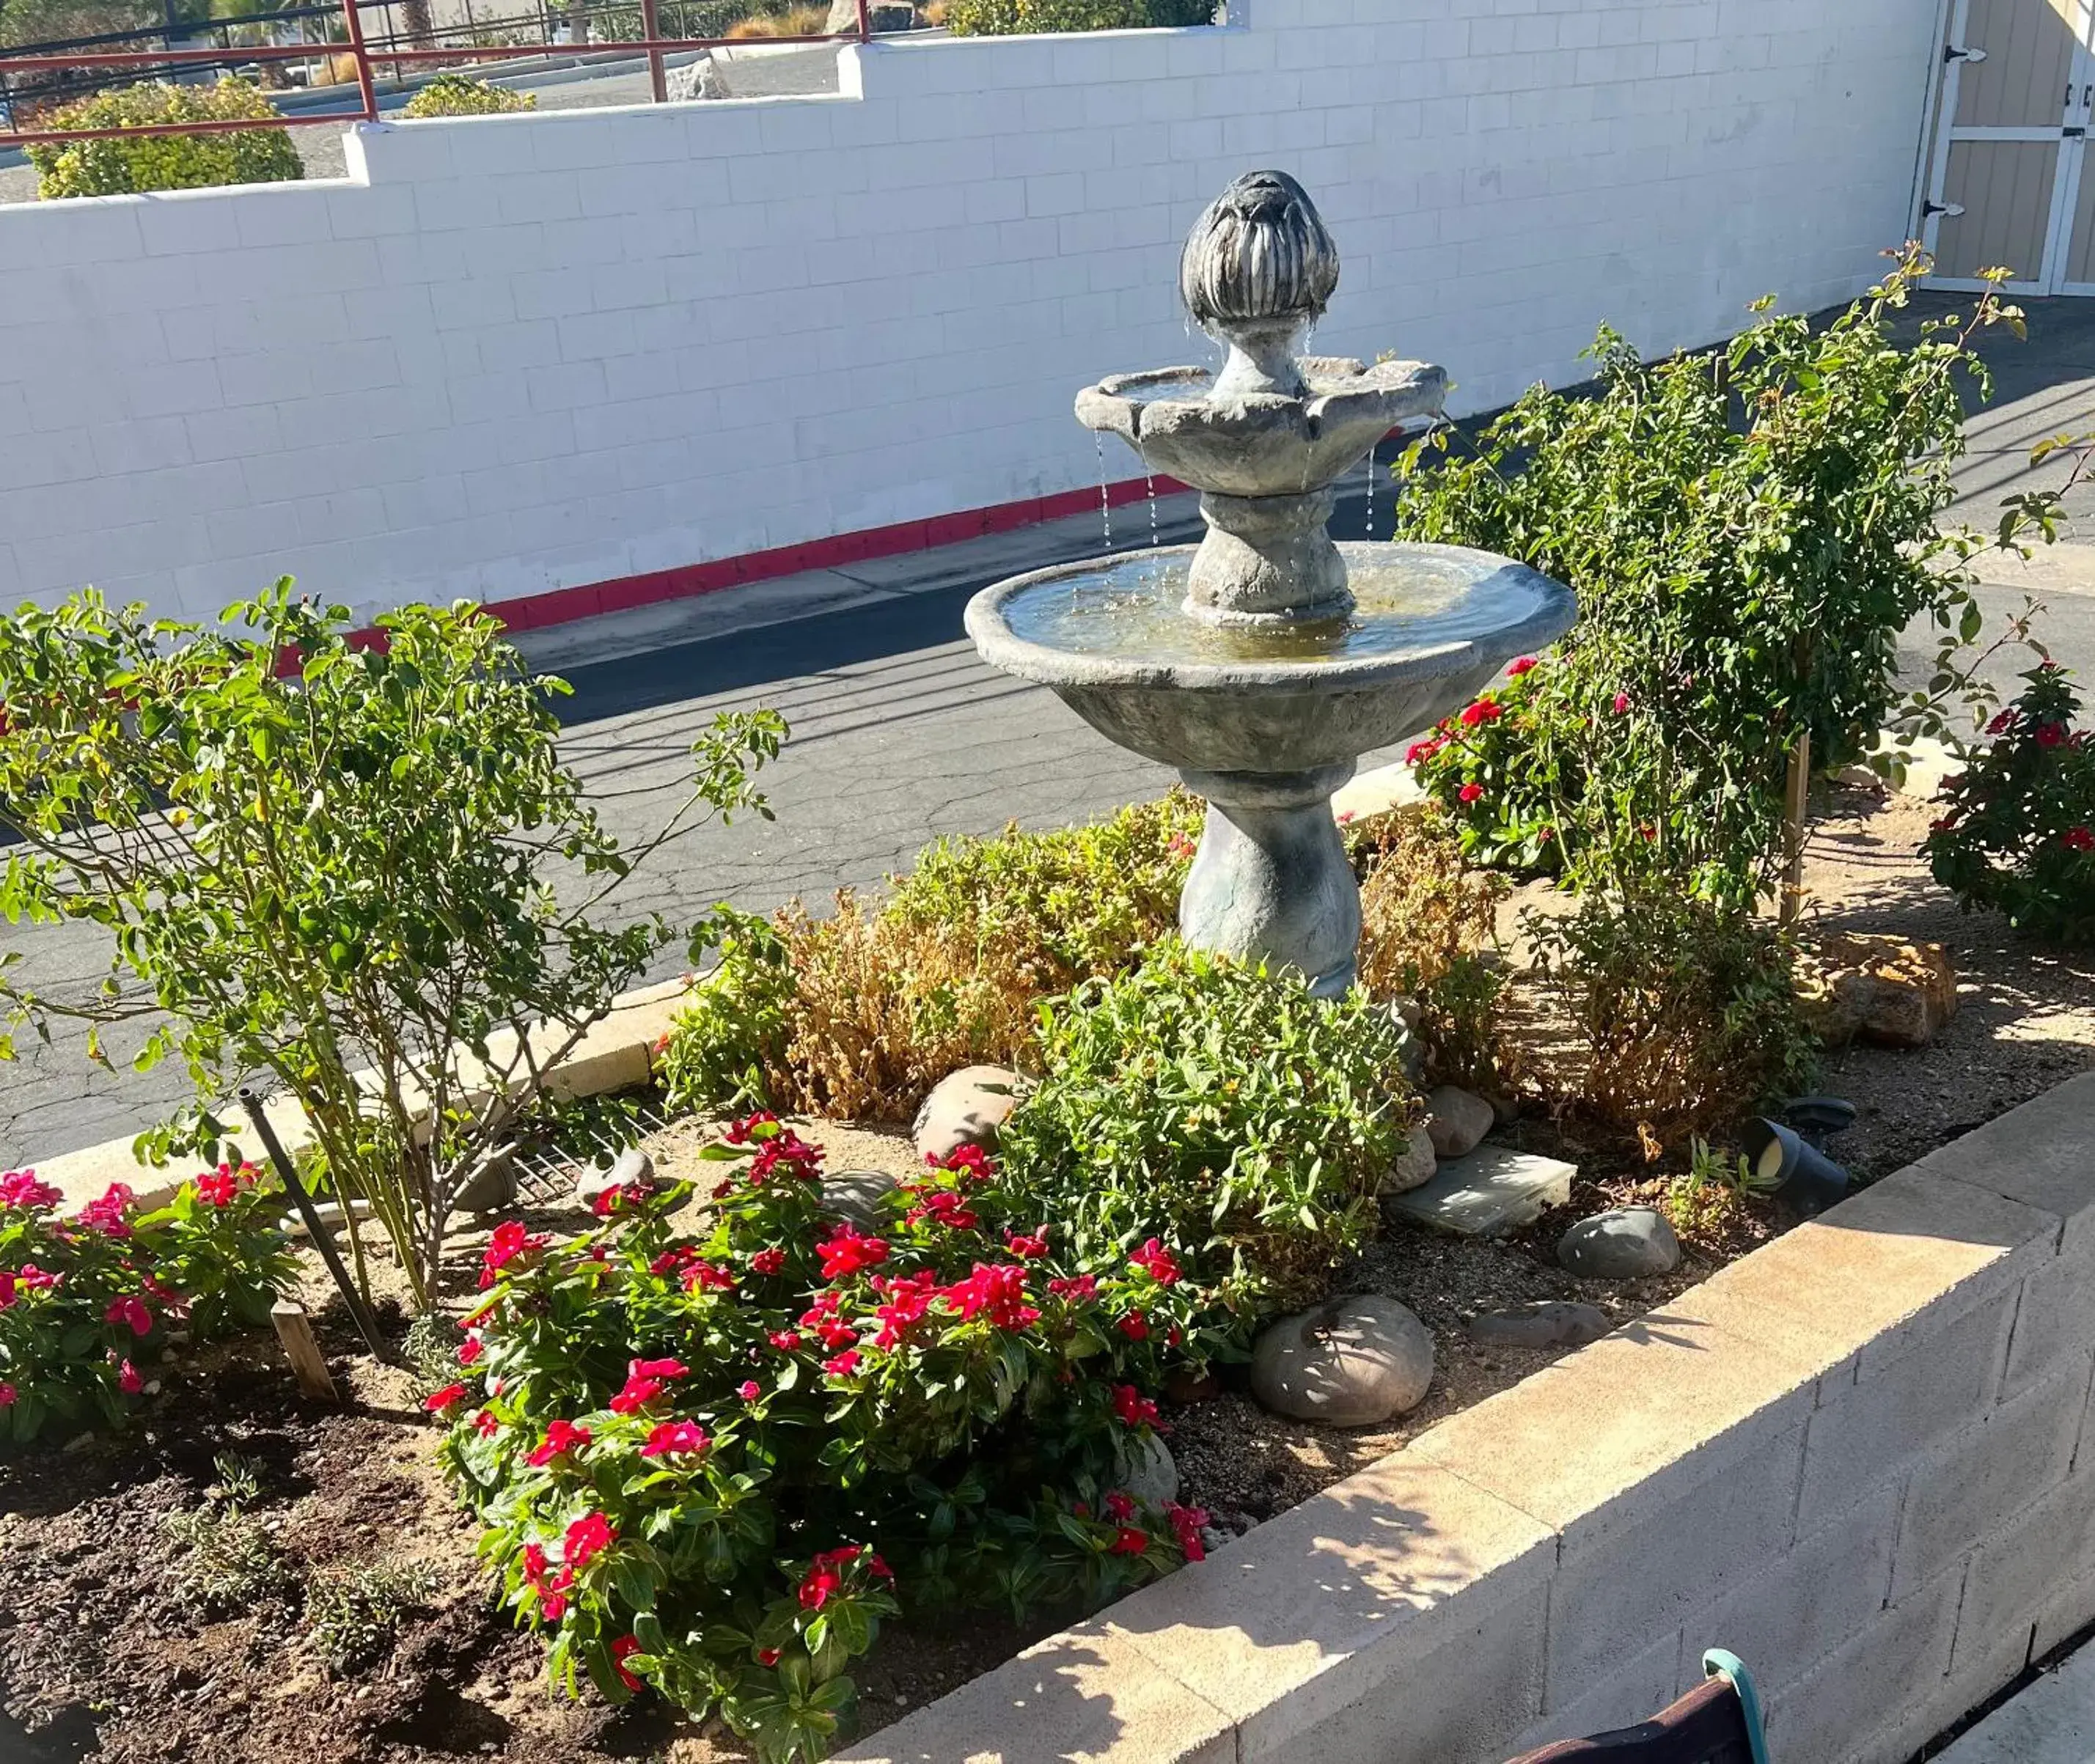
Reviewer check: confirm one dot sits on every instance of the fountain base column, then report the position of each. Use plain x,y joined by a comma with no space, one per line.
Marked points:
1267,561
1271,882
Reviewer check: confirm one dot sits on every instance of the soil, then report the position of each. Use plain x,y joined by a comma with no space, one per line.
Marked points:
105,1660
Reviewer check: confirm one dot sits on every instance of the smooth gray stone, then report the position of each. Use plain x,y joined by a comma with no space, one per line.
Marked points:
967,1108
1493,1190
1545,1323
1457,1121
1148,1471
1415,1164
1626,1244
857,1195
631,1166
1350,1362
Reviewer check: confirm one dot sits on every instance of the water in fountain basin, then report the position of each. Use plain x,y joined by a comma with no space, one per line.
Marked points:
1405,598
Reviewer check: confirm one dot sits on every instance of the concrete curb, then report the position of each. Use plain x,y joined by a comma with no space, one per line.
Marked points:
1858,1457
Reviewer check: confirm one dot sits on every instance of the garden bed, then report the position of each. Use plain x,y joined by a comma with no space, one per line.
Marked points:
104,1657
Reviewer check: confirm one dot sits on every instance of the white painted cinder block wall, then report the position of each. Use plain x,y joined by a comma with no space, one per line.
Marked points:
519,354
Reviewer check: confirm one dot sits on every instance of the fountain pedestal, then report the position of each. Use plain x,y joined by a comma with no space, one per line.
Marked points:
1270,881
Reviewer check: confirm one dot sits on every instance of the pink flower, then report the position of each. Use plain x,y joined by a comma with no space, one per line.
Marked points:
32,1278
1186,1524
438,1402
1522,665
767,1261
1180,846
589,1537
1470,793
8,1397
2081,839
110,1215
675,1438
6,1287
785,1340
561,1437
132,1311
622,1650
849,1251
1156,1261
843,1365
218,1188
128,1380
20,1189
1622,703
750,1390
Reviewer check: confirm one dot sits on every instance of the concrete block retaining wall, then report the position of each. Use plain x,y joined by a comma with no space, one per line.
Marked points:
1860,1457
541,354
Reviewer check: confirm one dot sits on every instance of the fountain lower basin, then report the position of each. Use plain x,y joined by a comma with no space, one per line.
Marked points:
1266,723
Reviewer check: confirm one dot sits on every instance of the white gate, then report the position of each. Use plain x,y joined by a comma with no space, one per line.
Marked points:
2004,185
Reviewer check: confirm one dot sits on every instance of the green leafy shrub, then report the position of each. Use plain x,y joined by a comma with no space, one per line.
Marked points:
1220,1106
1009,17
116,165
2017,833
1747,531
712,1464
1686,1007
461,94
353,1613
85,1301
230,1561
338,876
861,1013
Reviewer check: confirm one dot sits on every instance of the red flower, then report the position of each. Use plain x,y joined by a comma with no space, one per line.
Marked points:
1622,703
1522,665
821,1584
7,1395
843,1365
2002,724
1132,1408
485,1425
508,1242
1027,1246
644,1379
1135,1325
702,1276
675,1439
1947,824
1186,1524
1083,1289
995,1291
905,1303
32,1278
438,1402
2081,839
561,1437
1131,1540
1470,793
750,1390
1156,1261
787,1147
2050,734
942,1207
768,1261
20,1189
471,1351
1485,710
128,1380
849,1253
973,1164
219,1187
1119,1506
589,1537
767,1656
738,1132
785,1340
622,1650
1180,846
1420,751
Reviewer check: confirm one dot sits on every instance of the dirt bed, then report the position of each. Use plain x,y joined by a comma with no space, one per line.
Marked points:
103,1660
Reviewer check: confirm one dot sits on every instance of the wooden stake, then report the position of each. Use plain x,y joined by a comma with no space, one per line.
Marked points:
294,1329
1796,794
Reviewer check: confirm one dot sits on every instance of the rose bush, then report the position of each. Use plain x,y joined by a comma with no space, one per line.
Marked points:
2017,833
87,1301
712,1462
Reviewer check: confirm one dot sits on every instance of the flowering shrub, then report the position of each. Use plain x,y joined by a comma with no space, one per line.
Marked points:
1748,530
118,163
2018,833
711,1464
861,1013
1222,1106
86,1301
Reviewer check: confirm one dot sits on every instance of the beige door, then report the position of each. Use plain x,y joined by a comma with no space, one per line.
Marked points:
2017,89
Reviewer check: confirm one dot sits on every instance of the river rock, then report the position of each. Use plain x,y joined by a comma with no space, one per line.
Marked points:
1148,1472
1457,1121
631,1166
700,79
967,1108
1625,1244
1544,1323
1415,1164
1351,1362
855,1196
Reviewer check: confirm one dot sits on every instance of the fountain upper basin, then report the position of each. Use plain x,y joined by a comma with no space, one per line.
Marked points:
1431,625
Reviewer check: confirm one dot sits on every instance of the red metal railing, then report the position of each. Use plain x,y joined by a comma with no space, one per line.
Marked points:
354,47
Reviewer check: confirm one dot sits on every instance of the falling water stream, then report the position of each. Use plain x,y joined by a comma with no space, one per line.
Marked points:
1105,502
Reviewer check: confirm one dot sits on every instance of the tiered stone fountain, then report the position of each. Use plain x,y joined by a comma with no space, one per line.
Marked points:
1262,663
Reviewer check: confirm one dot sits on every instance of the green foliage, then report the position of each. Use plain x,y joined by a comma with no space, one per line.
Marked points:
87,1301
1747,531
461,94
337,876
1717,1194
353,1613
861,1013
713,1465
1686,1008
1221,1106
230,1562
112,167
2017,832
1010,18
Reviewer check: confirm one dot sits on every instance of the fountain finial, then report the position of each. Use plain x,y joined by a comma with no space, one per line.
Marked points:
1257,266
